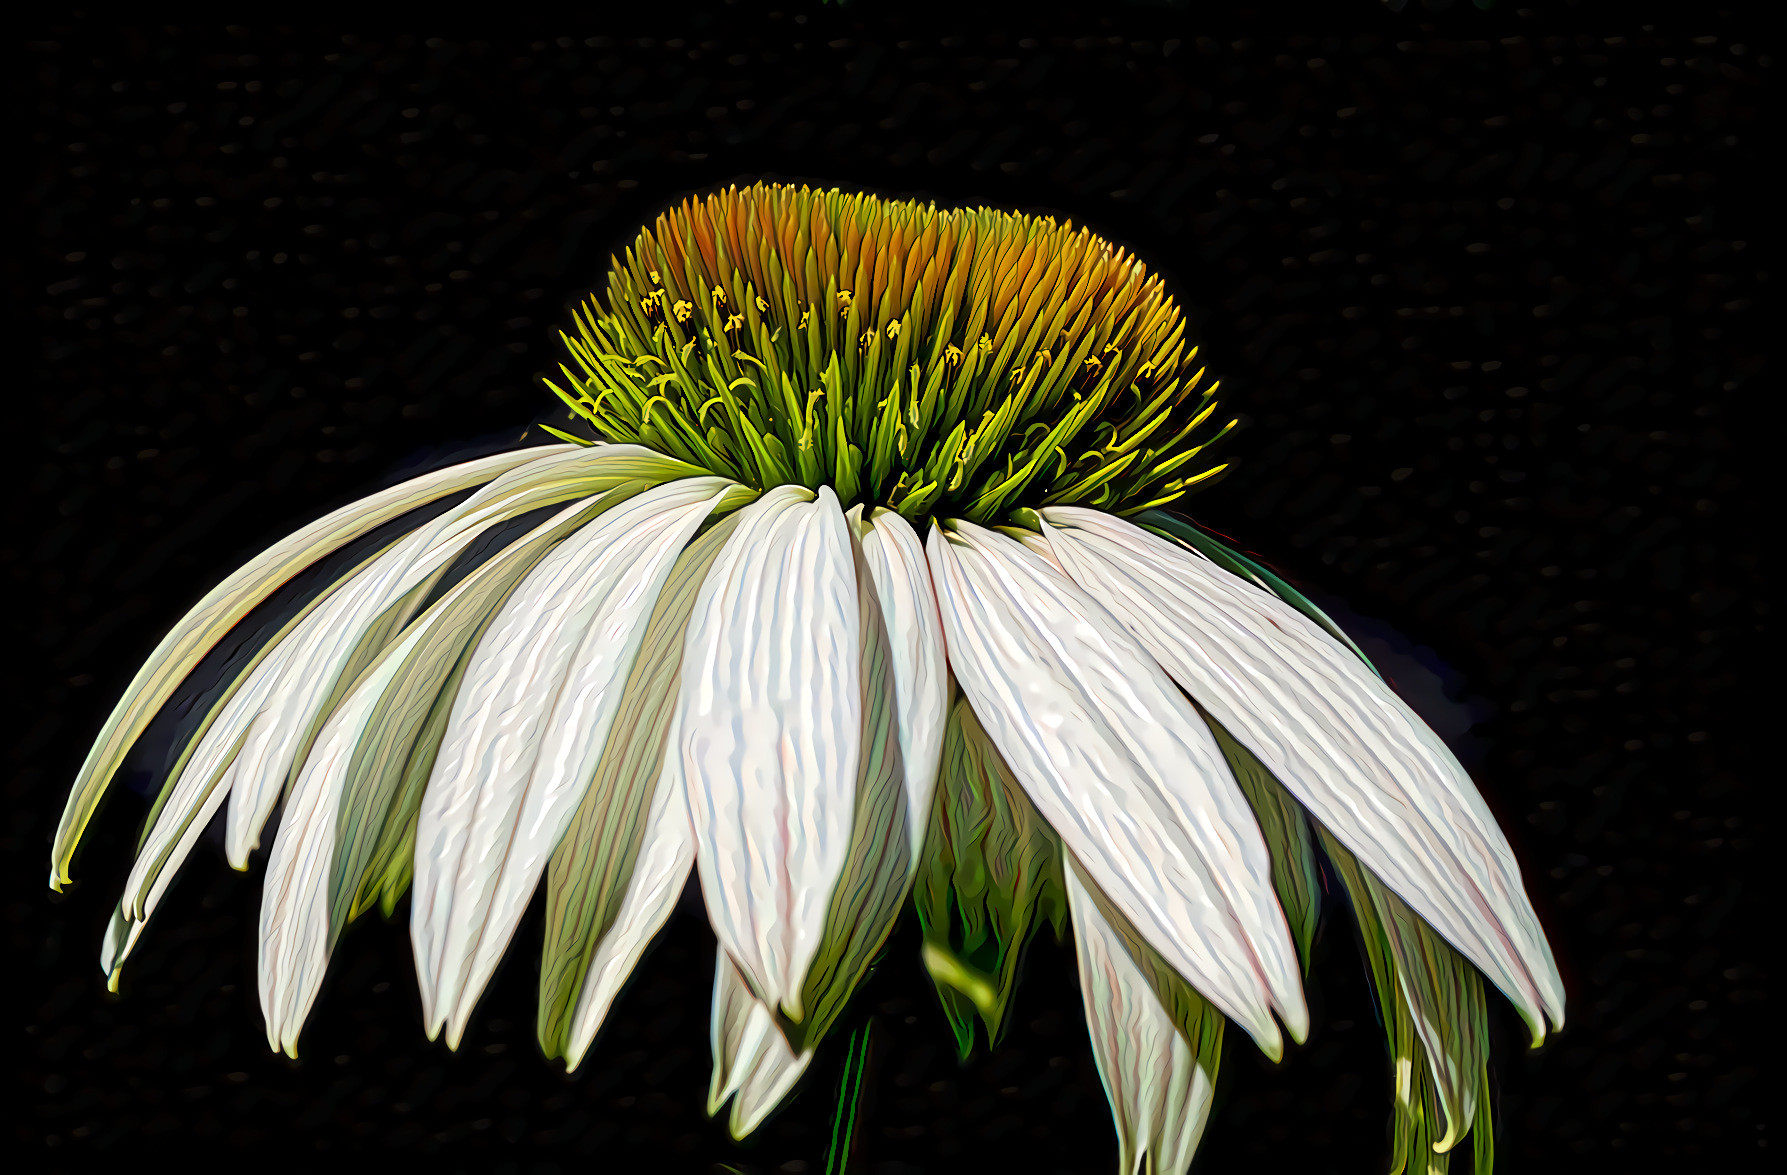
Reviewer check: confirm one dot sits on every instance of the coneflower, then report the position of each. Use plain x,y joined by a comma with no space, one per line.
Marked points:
870,595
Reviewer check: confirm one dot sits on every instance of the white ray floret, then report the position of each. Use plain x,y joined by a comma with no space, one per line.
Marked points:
666,858
1122,767
296,927
529,723
1338,737
197,632
895,558
1159,1089
768,731
753,1065
332,640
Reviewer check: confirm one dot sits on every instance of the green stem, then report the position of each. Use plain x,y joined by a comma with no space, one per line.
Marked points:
850,1091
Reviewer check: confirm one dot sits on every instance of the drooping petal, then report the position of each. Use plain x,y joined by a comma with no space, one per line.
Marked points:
869,891
896,561
529,726
1123,769
1160,1087
298,687
361,612
769,727
1434,1014
395,757
736,1026
660,871
1339,738
339,639
155,868
296,928
618,869
199,780
224,605
753,1063
772,1076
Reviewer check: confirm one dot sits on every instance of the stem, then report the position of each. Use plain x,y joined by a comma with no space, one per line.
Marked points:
850,1091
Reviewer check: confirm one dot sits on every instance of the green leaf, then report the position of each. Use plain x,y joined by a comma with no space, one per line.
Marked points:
990,871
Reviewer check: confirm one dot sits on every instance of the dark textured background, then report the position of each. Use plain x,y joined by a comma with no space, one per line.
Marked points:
1480,283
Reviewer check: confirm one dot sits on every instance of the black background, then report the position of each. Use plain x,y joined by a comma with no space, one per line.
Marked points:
1480,283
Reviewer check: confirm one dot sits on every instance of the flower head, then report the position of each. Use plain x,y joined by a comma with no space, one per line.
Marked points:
974,362
859,605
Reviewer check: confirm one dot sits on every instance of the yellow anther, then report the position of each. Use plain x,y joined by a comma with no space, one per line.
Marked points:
762,306
719,296
803,320
734,321
683,310
985,344
893,329
868,336
952,355
1093,363
656,280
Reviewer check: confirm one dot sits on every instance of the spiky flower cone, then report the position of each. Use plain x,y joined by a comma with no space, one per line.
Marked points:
727,651
957,364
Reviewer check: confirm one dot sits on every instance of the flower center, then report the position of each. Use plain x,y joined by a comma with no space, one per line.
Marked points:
965,363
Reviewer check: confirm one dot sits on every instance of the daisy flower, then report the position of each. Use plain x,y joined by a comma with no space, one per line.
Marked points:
871,595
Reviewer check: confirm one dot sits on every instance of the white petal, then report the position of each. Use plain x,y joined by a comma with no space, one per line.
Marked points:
1160,1092
527,728
201,784
659,874
155,868
768,733
296,687
332,641
773,1074
738,1023
296,934
896,561
1338,737
1124,769
273,704
295,923
752,1059
227,603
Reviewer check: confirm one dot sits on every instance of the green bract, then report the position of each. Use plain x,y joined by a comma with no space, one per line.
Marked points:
954,362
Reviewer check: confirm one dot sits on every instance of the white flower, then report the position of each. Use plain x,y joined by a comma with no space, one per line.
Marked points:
819,712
